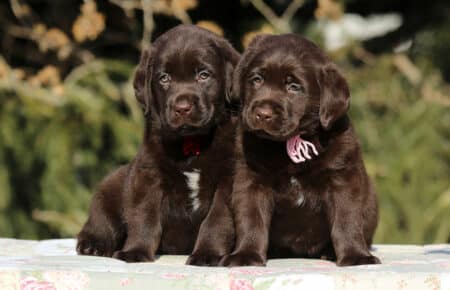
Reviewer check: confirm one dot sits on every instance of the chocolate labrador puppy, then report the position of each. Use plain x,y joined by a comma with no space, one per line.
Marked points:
300,188
156,204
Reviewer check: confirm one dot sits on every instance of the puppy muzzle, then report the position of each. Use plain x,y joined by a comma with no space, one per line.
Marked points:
266,118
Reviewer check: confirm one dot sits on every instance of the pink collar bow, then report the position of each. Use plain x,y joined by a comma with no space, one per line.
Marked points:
297,149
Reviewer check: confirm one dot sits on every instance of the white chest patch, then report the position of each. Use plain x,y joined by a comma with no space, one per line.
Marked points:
300,196
193,178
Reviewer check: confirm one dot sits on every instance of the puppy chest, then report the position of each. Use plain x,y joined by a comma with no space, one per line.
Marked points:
188,194
193,188
293,194
199,187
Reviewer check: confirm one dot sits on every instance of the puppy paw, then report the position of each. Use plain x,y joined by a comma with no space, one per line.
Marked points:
93,246
242,259
133,256
203,259
358,260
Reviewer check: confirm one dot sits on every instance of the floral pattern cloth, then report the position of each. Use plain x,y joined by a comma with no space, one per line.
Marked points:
54,265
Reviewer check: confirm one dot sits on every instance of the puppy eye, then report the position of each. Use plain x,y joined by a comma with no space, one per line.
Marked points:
294,87
164,78
203,75
257,80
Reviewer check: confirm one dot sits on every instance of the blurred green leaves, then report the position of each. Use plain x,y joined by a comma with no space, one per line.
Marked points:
55,148
405,139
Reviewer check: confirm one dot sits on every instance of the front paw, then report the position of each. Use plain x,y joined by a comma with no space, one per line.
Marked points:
134,256
203,259
93,246
243,259
358,260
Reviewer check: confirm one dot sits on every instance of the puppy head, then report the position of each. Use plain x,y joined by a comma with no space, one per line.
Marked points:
183,79
288,87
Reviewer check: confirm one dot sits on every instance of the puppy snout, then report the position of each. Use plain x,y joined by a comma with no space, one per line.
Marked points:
182,107
184,104
264,113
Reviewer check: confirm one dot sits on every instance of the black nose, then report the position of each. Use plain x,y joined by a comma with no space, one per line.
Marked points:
183,108
264,113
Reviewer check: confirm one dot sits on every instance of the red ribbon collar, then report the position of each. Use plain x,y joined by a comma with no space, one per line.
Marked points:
191,146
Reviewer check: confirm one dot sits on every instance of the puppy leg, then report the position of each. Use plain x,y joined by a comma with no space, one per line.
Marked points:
347,232
143,218
253,206
216,234
104,232
100,236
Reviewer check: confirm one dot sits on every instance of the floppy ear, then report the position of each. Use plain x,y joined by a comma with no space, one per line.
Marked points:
246,58
334,96
231,59
142,78
229,70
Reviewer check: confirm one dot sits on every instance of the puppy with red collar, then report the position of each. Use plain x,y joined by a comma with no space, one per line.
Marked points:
157,203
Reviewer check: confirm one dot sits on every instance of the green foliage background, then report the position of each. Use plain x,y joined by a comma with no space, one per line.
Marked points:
57,144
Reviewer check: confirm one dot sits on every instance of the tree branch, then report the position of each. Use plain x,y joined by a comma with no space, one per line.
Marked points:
22,12
148,23
281,23
292,8
268,13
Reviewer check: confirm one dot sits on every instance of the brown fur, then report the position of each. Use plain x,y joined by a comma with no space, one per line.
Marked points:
297,90
144,208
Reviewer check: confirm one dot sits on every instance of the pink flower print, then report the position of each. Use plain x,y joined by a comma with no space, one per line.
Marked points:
240,284
251,271
433,282
31,283
67,280
175,276
125,282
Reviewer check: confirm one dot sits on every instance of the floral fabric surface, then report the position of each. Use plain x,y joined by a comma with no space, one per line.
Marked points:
53,264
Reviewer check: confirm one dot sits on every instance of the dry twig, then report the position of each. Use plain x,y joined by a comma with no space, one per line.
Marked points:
281,23
148,23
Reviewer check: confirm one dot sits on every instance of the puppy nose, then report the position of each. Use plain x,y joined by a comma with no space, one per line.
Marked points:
182,108
264,113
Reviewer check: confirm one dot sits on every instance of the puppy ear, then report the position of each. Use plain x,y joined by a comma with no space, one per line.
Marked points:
229,70
142,78
246,58
334,97
231,58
